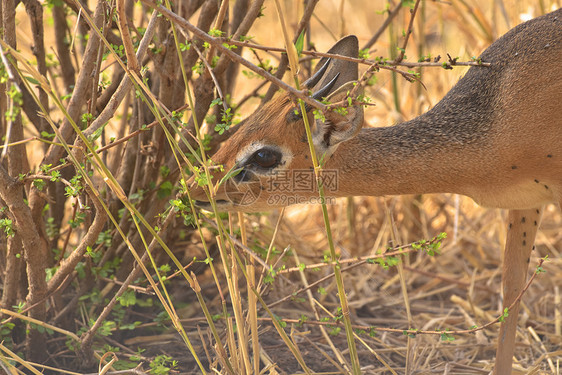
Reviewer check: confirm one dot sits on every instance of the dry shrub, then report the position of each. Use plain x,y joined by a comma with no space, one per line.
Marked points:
96,301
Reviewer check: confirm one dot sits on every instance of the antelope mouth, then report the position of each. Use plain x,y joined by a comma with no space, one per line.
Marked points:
221,203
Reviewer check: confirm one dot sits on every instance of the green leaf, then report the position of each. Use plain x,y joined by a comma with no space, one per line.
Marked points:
504,315
47,135
299,44
39,184
364,53
447,337
128,298
231,173
97,133
7,226
32,80
165,189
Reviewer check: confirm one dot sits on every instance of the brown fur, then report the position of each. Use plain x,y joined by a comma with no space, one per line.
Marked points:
496,137
476,141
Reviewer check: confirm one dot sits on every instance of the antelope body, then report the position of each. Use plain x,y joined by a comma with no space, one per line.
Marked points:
495,137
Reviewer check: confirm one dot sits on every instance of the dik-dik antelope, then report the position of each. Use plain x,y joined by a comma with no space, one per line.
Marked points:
495,137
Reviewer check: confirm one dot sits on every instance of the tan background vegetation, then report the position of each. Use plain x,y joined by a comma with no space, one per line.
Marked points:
457,289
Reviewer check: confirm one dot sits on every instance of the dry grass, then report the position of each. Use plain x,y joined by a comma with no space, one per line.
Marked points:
455,290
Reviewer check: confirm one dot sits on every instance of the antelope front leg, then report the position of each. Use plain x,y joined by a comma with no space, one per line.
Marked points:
522,229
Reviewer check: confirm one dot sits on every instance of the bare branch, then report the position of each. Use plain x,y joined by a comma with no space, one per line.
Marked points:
218,44
126,82
391,15
304,22
400,56
83,82
381,64
68,264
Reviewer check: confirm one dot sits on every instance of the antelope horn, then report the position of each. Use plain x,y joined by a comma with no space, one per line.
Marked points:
326,89
312,81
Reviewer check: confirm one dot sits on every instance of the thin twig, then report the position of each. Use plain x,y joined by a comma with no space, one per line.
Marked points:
126,82
391,15
282,67
386,329
218,43
382,64
400,56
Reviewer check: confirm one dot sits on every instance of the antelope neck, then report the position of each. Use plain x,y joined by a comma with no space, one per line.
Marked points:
424,155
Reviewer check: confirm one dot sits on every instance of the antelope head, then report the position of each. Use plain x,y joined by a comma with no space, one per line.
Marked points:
269,156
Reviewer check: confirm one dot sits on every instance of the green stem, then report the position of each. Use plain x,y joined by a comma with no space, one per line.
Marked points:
356,367
393,75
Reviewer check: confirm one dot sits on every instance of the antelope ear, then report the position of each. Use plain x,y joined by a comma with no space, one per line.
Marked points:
334,79
334,73
338,126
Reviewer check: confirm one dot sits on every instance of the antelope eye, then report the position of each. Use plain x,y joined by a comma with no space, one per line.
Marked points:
266,158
